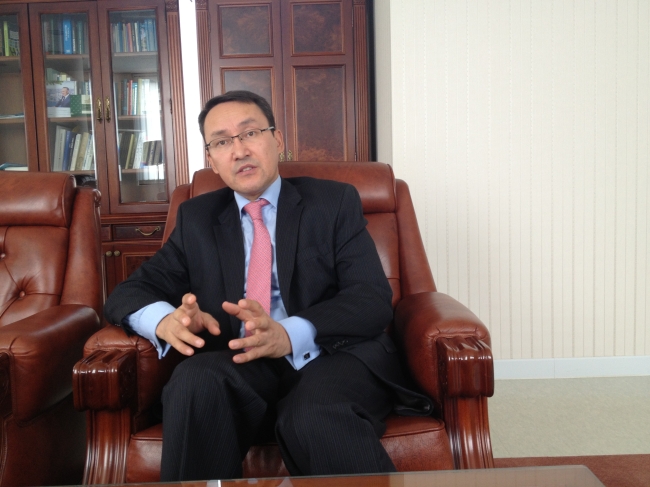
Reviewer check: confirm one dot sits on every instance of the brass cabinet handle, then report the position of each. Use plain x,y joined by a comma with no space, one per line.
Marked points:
117,253
281,156
99,109
289,156
149,234
108,109
109,254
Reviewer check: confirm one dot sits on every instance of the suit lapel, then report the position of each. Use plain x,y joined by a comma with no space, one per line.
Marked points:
286,238
230,244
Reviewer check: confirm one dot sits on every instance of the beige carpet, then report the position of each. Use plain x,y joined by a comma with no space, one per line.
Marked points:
612,470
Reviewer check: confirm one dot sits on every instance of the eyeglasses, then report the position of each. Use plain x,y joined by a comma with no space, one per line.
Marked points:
223,144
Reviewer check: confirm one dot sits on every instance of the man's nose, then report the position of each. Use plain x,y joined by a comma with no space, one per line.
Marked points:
239,149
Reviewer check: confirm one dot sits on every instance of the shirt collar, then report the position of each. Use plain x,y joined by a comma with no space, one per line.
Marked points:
271,194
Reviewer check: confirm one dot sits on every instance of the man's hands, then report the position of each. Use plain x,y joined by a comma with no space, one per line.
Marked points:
180,327
268,339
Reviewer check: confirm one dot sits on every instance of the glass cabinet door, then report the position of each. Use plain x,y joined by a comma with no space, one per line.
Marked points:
17,129
68,95
136,84
66,74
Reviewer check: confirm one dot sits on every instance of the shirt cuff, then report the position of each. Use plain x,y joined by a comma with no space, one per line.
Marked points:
145,321
302,334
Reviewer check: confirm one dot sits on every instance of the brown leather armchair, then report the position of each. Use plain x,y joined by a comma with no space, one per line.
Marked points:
50,299
447,349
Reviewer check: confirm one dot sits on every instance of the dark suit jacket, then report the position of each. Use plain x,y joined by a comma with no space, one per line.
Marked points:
64,102
329,271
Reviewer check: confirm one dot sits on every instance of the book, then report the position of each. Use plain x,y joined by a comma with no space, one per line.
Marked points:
157,157
83,146
67,35
13,166
67,150
152,149
89,157
59,141
47,41
154,35
5,31
14,40
75,152
144,44
139,147
80,105
123,148
128,164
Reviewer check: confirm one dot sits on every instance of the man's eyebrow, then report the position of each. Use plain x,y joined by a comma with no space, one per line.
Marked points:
243,123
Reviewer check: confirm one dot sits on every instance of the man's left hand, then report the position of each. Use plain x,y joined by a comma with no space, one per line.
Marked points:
268,339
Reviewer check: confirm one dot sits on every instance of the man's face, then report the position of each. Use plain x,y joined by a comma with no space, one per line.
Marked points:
64,92
248,168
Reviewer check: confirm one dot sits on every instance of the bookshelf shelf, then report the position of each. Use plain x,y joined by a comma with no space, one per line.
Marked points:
68,62
12,121
69,119
80,173
9,64
135,62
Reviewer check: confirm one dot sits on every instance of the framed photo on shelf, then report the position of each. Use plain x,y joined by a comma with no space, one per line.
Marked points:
58,96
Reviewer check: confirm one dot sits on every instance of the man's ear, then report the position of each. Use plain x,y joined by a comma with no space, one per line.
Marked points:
277,134
212,164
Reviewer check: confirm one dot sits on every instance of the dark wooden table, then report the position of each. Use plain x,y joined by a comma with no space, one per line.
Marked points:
559,476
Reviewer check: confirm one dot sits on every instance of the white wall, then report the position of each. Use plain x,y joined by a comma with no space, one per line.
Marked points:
522,128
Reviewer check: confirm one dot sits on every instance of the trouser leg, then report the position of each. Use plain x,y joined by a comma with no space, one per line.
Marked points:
331,420
212,411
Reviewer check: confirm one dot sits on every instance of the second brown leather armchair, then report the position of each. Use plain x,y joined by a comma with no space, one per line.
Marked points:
50,298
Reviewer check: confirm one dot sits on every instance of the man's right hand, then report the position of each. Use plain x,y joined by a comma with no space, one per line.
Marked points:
179,328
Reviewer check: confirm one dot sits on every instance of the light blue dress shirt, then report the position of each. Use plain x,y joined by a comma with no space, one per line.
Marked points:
302,332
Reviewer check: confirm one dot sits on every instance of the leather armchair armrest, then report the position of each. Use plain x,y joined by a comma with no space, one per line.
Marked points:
38,353
119,370
446,345
448,352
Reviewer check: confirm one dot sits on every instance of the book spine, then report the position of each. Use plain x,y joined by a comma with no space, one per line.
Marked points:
57,156
157,157
152,150
136,37
74,39
137,157
155,35
66,150
75,152
5,30
88,156
67,36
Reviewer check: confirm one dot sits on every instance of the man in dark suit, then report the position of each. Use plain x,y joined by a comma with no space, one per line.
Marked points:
316,371
65,98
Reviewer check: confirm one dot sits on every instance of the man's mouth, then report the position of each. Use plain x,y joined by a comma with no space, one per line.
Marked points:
246,169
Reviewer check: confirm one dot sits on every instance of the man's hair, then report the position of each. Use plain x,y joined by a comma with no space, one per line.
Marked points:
240,96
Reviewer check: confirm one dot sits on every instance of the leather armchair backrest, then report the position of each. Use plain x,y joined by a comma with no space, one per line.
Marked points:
391,217
41,244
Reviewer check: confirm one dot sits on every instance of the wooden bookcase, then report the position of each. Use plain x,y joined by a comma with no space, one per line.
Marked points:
309,58
124,131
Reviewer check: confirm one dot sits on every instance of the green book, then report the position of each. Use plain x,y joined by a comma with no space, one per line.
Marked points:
6,37
80,105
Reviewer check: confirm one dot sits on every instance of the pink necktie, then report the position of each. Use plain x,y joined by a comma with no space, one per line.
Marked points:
258,281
